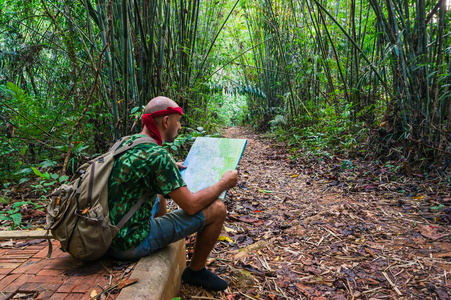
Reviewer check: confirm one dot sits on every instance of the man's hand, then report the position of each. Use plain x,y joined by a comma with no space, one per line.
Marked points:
180,165
193,203
231,178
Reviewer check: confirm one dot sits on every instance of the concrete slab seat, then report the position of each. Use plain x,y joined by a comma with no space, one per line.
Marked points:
159,275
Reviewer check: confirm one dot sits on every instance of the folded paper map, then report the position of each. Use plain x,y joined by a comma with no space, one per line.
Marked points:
209,159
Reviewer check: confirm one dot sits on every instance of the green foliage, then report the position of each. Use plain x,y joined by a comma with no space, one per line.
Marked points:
347,164
331,132
310,57
228,109
222,110
28,117
49,181
318,74
180,147
279,120
14,214
4,200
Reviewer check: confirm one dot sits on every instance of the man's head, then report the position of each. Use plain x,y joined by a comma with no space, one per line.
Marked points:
159,103
168,124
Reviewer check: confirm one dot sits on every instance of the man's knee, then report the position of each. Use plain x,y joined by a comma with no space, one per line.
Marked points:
215,211
220,208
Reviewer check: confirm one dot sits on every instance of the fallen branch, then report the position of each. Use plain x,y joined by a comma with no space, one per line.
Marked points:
23,235
395,288
440,237
117,285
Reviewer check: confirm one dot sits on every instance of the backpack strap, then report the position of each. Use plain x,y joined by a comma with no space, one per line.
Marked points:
132,211
49,252
118,143
128,145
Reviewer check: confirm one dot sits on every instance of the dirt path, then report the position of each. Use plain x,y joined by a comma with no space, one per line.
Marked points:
288,236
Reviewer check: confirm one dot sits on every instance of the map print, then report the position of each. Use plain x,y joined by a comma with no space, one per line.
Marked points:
208,159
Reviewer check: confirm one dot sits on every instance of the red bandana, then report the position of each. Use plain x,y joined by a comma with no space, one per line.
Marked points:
150,123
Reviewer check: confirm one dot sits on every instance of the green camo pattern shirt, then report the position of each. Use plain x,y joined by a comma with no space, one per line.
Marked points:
143,167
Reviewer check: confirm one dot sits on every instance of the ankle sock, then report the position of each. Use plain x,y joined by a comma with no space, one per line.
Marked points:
205,279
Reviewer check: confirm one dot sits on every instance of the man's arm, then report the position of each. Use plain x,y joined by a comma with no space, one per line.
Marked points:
163,206
193,203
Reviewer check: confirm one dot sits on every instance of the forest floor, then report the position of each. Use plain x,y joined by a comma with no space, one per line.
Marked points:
336,229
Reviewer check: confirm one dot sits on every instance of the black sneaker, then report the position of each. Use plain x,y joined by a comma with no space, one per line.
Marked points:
205,279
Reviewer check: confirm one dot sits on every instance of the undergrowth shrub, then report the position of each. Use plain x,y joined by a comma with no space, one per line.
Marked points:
329,131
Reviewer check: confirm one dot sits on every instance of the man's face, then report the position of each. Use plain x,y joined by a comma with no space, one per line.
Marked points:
174,127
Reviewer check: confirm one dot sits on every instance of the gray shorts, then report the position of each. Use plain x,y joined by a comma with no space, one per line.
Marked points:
164,230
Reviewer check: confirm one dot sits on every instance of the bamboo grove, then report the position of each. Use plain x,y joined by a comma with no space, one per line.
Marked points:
386,63
75,74
82,71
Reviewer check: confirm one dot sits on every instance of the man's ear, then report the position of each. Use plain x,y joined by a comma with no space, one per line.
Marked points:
165,122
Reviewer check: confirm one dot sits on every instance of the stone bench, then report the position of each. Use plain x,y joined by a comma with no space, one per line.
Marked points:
159,275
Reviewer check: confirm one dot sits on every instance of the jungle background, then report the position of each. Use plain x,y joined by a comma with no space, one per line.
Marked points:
346,105
367,80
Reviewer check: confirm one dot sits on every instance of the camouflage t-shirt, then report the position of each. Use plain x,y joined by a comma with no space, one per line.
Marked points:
144,167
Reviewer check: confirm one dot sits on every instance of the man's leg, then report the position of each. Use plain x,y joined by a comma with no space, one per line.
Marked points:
166,229
196,273
215,215
178,224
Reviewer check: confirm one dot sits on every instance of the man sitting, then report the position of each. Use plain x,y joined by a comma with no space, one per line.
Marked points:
149,168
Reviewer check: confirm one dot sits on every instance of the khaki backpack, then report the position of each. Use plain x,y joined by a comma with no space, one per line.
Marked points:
78,214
